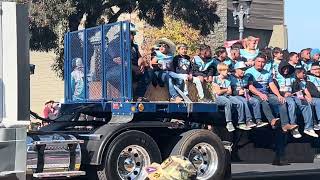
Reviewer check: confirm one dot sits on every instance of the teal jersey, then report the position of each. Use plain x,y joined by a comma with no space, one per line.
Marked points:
223,84
247,55
239,83
285,84
203,66
274,70
165,60
259,79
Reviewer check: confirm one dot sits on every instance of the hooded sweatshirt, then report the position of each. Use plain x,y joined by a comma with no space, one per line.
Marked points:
285,81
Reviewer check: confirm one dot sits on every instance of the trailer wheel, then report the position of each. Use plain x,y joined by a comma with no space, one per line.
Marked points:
128,154
205,150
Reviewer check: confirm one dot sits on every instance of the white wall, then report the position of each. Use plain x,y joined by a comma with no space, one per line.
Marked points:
15,62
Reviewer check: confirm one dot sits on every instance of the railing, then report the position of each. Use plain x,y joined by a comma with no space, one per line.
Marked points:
98,64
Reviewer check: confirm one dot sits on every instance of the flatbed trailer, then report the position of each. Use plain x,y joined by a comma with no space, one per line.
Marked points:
105,135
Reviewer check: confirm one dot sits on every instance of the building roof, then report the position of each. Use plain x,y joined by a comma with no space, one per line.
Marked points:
264,14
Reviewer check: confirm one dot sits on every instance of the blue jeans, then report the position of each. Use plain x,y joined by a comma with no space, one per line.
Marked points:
167,79
255,104
316,103
291,110
283,111
266,108
180,78
227,102
240,108
306,110
224,101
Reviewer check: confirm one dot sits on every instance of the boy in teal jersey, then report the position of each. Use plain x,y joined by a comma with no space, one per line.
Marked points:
239,85
284,80
303,99
221,87
221,57
202,64
277,58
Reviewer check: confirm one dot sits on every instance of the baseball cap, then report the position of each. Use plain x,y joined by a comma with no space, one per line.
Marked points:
314,52
240,65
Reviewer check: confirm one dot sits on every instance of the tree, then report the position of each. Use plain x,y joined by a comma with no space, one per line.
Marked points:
176,30
50,19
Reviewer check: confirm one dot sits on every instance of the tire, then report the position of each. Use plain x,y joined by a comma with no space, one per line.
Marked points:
209,151
138,142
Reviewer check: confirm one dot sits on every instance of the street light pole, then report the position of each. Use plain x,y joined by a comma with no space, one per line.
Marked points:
240,14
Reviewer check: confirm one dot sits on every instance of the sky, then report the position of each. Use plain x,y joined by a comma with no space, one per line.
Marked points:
302,20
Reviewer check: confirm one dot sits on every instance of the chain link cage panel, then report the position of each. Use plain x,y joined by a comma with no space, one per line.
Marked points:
113,61
99,65
94,63
77,90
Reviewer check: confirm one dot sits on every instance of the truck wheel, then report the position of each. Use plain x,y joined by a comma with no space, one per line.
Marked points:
127,155
205,150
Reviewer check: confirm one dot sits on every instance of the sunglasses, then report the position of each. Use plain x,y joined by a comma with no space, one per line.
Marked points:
163,45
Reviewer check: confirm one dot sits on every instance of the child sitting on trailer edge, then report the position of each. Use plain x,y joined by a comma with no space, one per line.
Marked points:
202,64
239,85
222,90
183,71
284,78
304,97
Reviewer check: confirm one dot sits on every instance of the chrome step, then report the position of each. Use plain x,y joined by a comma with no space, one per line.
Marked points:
60,142
59,174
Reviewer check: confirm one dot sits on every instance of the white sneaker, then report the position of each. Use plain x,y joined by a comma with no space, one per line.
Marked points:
296,134
244,127
230,127
311,132
316,127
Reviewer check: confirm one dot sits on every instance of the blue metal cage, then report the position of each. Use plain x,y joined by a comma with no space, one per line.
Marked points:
97,64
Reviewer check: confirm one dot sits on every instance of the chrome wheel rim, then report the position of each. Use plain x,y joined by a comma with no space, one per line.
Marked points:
131,162
205,159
